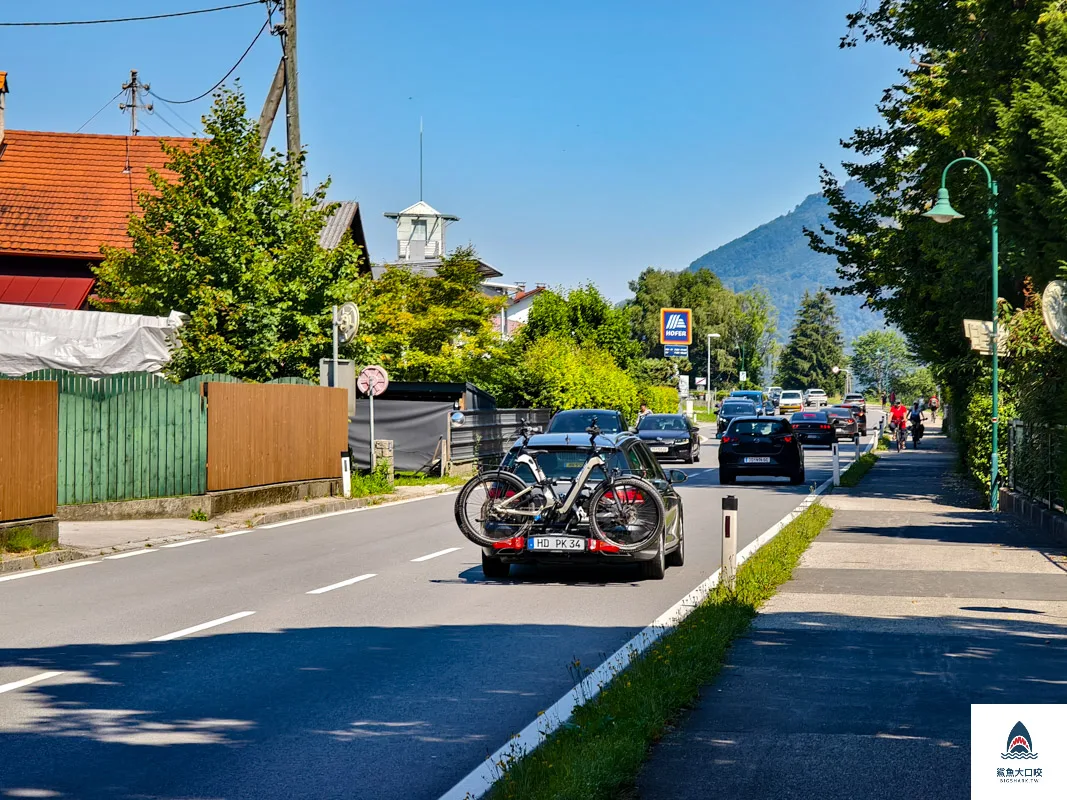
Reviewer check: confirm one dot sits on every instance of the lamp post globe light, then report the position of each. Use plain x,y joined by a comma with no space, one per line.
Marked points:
943,211
707,388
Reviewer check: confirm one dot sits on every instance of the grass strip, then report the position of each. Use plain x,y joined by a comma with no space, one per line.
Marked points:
597,754
415,479
854,474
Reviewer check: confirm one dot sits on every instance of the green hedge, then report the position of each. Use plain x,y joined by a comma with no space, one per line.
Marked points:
660,399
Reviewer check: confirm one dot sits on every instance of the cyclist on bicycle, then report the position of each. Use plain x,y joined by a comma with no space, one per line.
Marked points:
897,414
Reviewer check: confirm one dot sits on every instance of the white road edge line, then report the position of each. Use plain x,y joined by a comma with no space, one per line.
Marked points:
29,573
231,533
444,552
131,554
43,676
354,510
481,779
186,542
342,584
203,626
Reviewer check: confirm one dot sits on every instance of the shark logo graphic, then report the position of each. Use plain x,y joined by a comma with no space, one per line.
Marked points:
1020,745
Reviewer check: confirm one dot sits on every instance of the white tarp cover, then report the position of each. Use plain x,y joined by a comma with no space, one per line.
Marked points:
84,342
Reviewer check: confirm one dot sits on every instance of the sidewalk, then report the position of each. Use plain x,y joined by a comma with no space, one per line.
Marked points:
856,679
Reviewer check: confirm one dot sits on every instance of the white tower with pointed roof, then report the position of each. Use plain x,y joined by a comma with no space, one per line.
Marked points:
420,233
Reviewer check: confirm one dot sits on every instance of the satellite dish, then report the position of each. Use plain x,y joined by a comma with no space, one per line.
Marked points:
1054,309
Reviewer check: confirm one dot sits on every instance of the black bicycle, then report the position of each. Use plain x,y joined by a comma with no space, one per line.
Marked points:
622,510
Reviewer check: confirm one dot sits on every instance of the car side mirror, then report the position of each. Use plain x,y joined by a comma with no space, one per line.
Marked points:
677,476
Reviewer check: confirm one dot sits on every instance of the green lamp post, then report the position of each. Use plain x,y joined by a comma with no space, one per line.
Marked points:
944,212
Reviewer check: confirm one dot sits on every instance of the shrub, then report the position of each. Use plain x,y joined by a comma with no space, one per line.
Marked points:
660,399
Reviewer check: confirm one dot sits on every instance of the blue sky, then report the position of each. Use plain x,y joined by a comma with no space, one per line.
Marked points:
580,140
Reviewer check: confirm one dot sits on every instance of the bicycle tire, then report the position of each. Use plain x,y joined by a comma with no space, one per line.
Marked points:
493,525
630,523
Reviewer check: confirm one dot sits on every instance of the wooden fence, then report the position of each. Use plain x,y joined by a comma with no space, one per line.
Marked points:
133,436
28,413
259,434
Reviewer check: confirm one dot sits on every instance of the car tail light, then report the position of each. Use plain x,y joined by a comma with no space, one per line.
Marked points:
514,543
626,495
825,427
597,546
501,492
787,439
726,439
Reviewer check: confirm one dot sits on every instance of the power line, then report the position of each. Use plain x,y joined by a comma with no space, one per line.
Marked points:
183,120
221,80
168,123
105,105
128,19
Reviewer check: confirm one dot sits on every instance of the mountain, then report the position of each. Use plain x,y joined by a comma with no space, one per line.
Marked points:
776,256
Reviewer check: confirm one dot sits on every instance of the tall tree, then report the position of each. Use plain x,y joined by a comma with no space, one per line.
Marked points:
815,347
879,360
226,244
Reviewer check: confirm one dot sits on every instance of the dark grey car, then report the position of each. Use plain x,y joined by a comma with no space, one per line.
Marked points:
670,436
733,407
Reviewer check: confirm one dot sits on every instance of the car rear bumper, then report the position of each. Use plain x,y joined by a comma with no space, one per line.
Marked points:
514,556
674,450
827,438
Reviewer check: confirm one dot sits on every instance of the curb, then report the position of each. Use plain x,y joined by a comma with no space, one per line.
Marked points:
40,560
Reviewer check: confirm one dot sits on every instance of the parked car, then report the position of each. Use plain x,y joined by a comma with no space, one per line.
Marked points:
791,400
733,407
578,419
845,424
760,446
813,427
815,397
561,457
860,413
670,436
759,399
855,398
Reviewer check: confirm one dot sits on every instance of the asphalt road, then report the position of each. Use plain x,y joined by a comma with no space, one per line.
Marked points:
361,655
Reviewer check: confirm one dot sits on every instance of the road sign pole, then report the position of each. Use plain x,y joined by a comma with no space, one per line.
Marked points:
333,366
729,542
371,394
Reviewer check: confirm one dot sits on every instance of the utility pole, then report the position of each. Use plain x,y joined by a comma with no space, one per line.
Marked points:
292,99
132,88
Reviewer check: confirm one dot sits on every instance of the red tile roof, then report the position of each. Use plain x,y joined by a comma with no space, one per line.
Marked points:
65,194
520,296
23,290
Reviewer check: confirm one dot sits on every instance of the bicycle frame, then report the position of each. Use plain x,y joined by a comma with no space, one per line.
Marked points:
542,482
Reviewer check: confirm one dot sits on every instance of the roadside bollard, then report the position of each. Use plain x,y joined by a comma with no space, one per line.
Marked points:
837,464
346,473
856,442
729,542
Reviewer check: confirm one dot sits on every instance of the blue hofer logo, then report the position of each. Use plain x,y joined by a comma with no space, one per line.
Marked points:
676,326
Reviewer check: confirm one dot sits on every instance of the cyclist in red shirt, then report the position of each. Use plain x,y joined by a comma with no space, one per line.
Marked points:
898,414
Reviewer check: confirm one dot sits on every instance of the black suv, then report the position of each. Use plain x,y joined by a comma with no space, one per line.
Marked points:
670,436
760,446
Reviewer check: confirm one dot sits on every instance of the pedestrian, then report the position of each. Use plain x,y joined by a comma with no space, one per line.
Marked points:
934,403
644,412
892,398
883,399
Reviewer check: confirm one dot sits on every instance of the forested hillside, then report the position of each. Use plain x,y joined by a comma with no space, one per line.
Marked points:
777,256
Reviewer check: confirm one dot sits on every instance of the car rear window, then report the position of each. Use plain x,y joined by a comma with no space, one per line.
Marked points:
738,408
839,412
752,427
565,463
657,422
577,423
809,416
791,395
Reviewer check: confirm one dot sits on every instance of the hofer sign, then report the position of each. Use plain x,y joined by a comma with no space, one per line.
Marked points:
675,326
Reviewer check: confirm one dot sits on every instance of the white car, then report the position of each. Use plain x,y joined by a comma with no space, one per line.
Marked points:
856,397
815,397
791,400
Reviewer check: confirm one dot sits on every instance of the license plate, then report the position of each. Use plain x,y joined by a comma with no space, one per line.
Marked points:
560,543
758,460
659,449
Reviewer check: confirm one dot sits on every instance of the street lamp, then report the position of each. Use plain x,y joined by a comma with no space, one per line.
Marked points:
848,377
707,389
944,212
